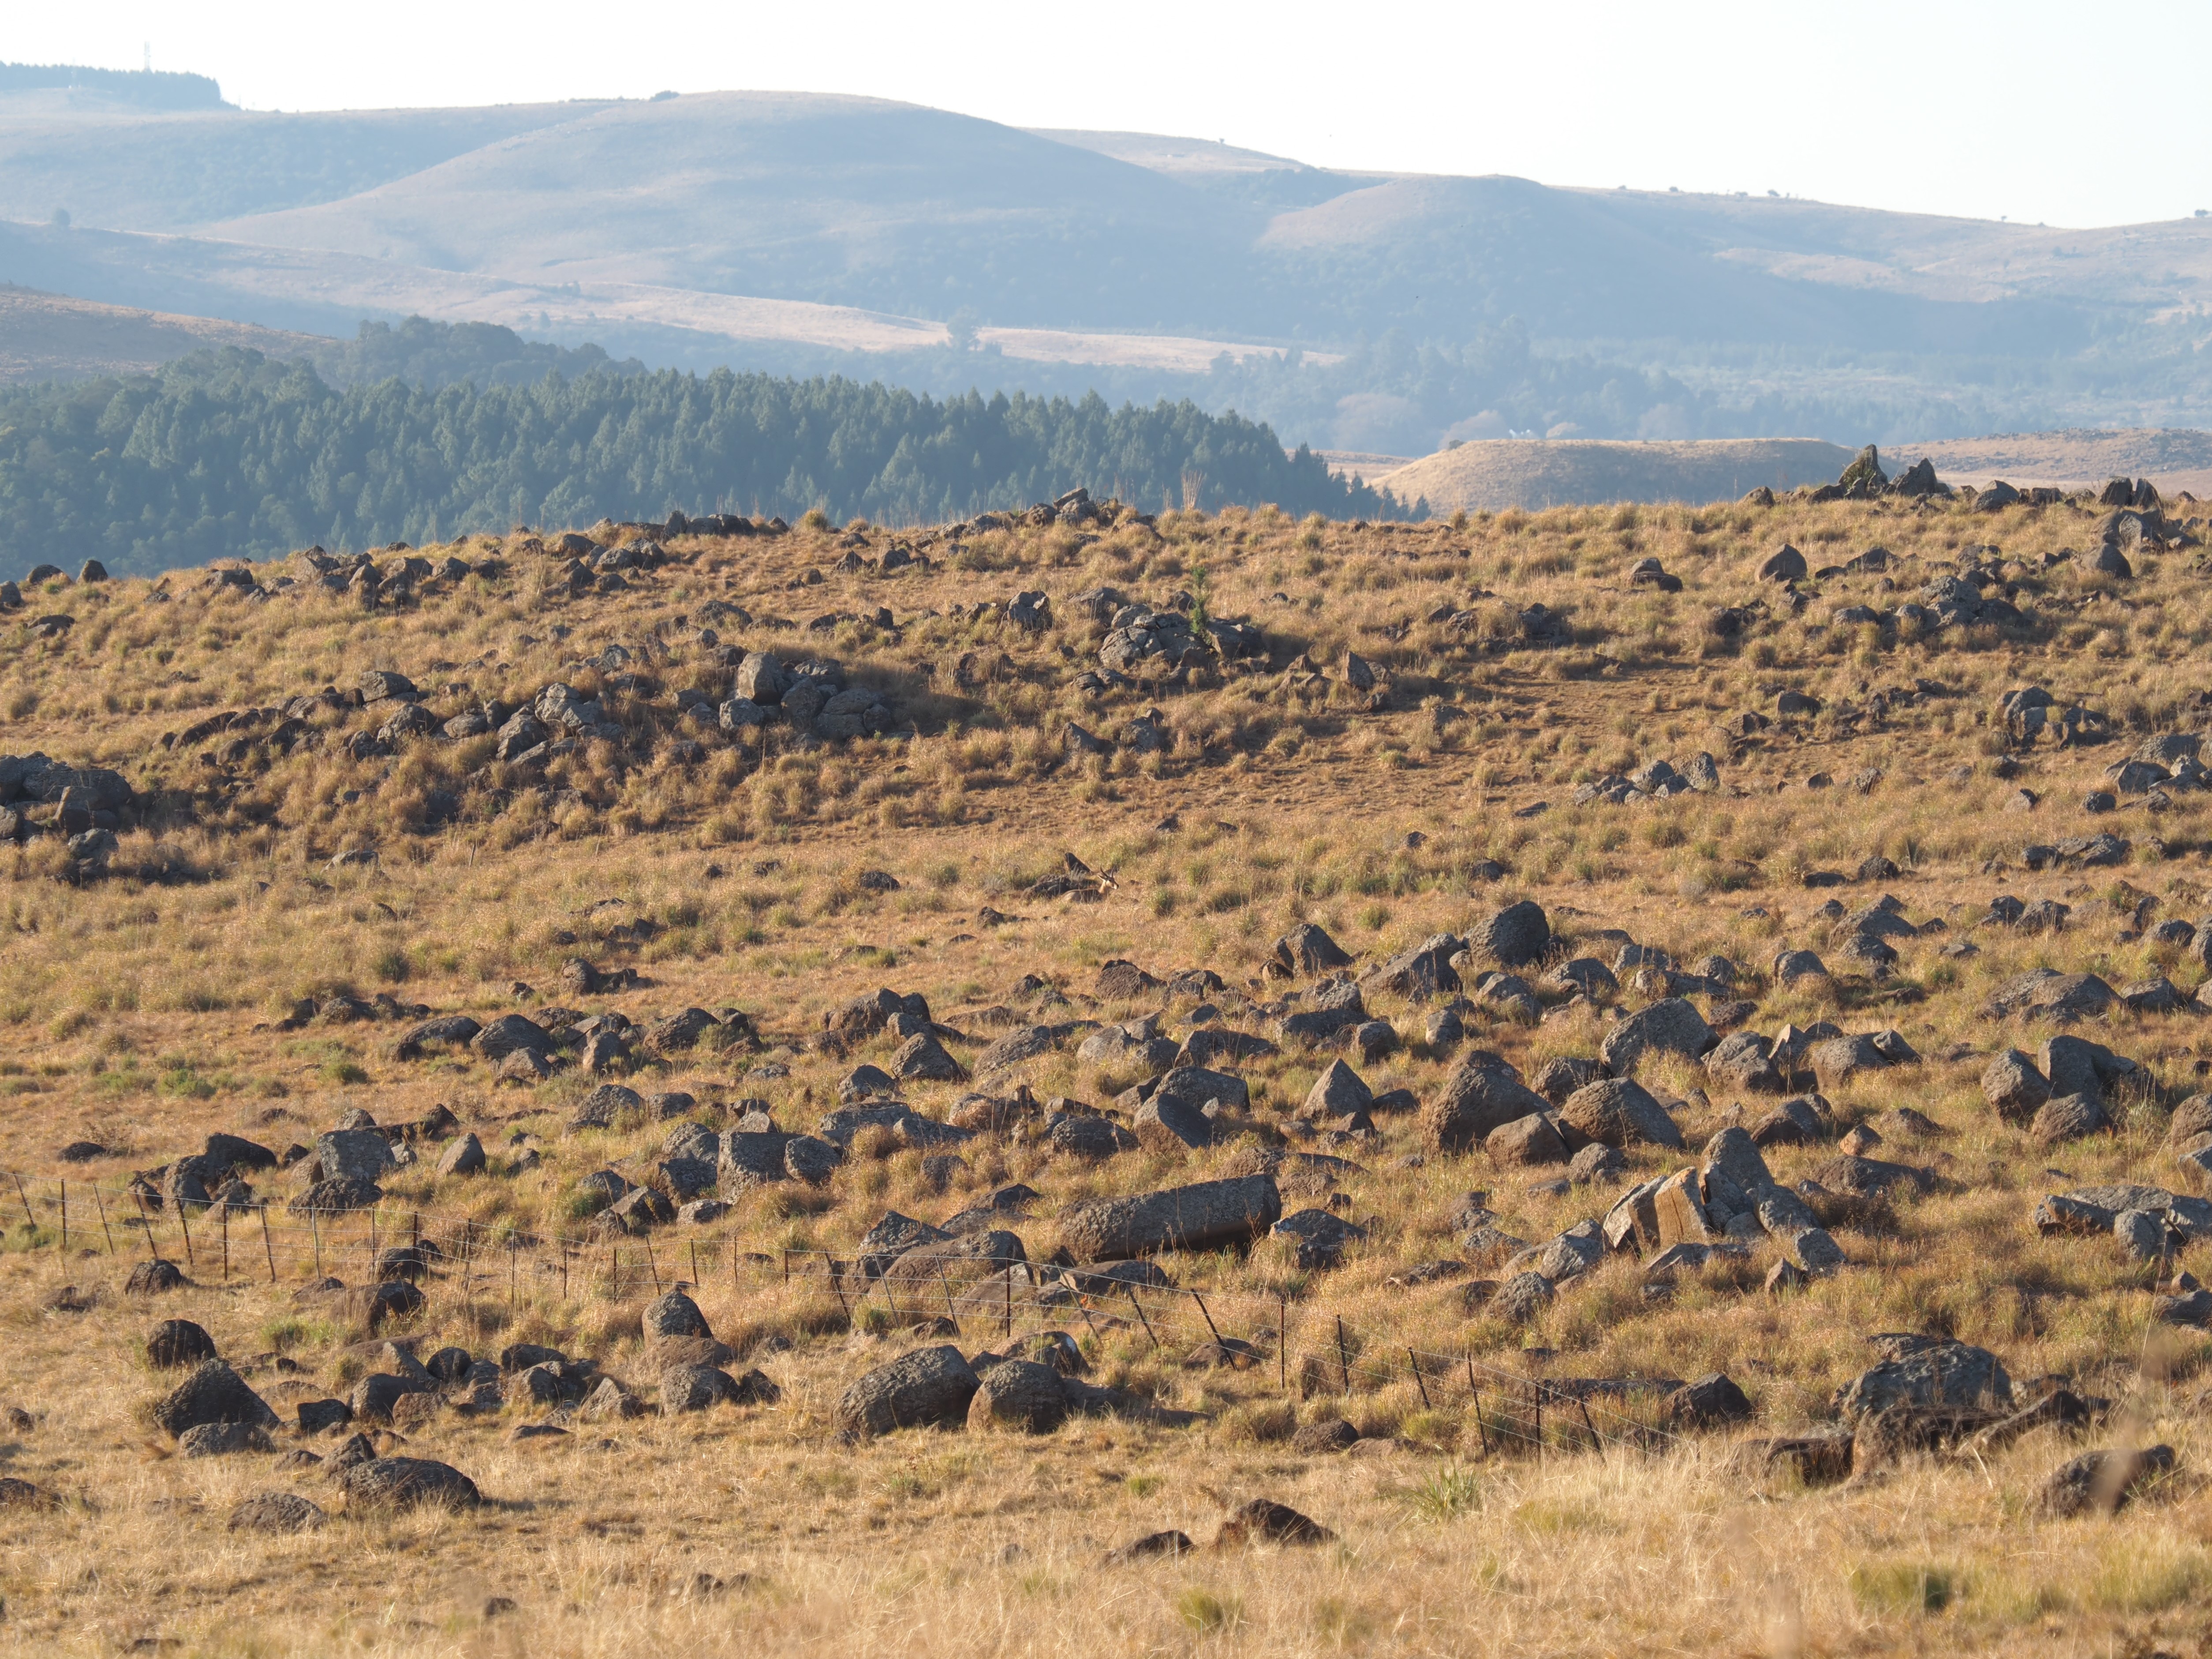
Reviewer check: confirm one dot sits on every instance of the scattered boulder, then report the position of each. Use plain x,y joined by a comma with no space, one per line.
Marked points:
1179,1218
1924,1370
405,1483
1018,1394
1621,1113
178,1342
2100,1483
1710,1402
212,1394
277,1512
1262,1521
1480,1094
929,1386
1671,1026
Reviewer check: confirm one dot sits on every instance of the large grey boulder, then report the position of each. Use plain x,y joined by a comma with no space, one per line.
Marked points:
1178,1218
930,1385
1022,1395
1166,1123
2045,994
212,1394
1671,1026
1196,1086
1529,1141
1306,949
1480,1094
2076,1066
1515,937
356,1154
1621,1113
1745,1061
1921,1370
408,1483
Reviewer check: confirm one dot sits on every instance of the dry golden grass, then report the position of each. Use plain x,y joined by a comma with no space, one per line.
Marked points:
142,1014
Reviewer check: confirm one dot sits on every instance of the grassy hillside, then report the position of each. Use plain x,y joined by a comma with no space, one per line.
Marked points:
1429,724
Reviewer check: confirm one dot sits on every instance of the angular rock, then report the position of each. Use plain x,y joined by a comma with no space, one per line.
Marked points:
2011,1083
1710,1402
408,1483
1317,1237
277,1512
2068,1118
1515,937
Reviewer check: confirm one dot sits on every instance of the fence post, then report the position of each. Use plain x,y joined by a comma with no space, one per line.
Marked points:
184,1225
1475,1395
1417,1382
654,1264
1210,1325
1596,1440
1283,1341
64,1244
315,1231
268,1249
28,1217
222,1223
694,1265
1343,1357
100,1204
1141,1319
1537,1389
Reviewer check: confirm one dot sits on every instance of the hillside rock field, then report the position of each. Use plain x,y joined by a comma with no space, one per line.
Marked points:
1617,1079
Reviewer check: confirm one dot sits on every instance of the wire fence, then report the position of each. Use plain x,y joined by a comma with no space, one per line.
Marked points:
441,1256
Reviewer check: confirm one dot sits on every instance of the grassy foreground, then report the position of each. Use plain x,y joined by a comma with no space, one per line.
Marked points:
156,1002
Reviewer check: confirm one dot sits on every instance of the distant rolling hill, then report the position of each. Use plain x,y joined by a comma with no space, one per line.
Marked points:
825,233
1536,473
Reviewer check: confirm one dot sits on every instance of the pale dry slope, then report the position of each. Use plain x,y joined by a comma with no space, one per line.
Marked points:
52,337
2173,458
1492,474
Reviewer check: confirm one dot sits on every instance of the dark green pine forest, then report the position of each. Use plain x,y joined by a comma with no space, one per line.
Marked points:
228,453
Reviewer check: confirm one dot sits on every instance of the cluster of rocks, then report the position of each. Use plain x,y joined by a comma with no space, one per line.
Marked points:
1142,642
83,806
1655,781
2064,1092
1865,480
2031,714
809,696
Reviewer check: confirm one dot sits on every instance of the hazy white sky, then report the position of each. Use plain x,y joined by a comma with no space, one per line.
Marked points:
2031,109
